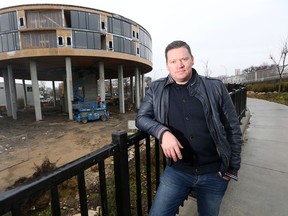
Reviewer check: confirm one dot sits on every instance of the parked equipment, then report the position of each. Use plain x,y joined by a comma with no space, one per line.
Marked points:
90,111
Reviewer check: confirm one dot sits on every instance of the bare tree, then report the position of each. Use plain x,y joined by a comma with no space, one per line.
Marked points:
280,65
207,71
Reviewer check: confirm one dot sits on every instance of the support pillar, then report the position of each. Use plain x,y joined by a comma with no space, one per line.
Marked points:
12,90
25,94
54,93
36,92
132,90
7,93
69,86
143,86
111,88
137,87
121,89
102,81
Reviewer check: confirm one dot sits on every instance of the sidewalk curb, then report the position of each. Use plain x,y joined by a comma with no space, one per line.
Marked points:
245,121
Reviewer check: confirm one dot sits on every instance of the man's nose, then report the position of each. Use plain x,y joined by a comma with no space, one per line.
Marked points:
180,64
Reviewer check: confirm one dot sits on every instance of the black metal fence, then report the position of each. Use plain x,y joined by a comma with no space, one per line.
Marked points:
134,176
238,94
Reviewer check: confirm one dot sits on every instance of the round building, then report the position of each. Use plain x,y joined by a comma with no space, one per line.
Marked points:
83,47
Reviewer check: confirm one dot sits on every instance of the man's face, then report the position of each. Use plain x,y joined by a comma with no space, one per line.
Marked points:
179,63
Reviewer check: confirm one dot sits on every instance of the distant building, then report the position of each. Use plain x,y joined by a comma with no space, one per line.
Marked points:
19,93
81,46
237,72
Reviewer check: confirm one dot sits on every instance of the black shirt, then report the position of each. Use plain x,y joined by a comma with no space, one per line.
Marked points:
187,122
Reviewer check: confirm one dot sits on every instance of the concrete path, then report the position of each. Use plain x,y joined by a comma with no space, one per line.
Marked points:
262,189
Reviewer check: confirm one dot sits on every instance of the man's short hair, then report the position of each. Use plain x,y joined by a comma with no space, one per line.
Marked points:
177,44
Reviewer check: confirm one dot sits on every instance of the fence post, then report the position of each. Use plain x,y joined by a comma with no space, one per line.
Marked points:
121,172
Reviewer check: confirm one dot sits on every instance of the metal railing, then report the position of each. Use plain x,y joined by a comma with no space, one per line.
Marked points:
238,95
139,173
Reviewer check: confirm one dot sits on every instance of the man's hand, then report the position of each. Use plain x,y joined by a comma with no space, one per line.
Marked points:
171,146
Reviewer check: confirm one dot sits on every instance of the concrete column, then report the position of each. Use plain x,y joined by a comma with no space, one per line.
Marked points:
12,90
69,86
7,93
132,90
143,86
137,87
64,101
111,88
102,81
36,92
25,94
54,93
121,89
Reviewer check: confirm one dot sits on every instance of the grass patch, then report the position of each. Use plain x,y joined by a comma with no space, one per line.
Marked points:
281,98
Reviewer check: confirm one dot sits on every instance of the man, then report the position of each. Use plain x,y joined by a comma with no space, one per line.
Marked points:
195,120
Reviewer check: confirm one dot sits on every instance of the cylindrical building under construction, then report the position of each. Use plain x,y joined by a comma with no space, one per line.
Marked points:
80,46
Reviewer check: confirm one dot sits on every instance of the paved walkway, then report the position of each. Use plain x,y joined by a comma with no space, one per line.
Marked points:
262,189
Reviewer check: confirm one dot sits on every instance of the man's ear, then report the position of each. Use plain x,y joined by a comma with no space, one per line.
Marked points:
192,60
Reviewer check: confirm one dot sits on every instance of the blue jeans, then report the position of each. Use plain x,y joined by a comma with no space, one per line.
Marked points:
176,185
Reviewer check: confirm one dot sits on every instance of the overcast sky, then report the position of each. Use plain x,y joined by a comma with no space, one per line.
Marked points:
227,34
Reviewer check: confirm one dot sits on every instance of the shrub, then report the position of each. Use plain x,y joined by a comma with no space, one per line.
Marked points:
20,103
267,86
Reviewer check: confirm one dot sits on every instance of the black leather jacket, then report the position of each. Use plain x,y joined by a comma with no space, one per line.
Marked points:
219,110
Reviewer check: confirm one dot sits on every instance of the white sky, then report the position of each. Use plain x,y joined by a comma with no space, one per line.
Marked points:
229,34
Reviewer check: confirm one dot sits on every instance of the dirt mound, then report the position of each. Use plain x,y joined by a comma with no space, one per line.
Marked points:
56,138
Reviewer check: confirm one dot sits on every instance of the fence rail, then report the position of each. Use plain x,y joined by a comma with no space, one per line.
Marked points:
140,174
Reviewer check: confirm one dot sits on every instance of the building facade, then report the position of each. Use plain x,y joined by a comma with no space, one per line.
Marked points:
81,46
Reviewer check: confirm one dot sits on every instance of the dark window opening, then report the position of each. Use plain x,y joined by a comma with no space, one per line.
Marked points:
103,25
67,16
133,33
138,51
60,41
103,42
110,45
21,22
68,41
137,35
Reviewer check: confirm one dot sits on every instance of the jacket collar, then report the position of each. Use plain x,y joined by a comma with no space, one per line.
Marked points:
170,80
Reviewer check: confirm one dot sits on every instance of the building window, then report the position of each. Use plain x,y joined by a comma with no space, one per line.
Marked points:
60,41
110,45
103,25
133,33
82,20
21,24
29,88
45,39
86,40
9,42
138,51
127,29
117,27
8,22
44,19
68,41
93,21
